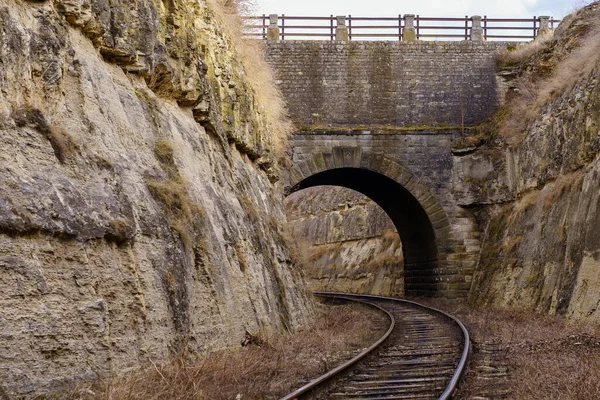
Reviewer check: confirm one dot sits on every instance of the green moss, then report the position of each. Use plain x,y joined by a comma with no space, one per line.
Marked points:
379,128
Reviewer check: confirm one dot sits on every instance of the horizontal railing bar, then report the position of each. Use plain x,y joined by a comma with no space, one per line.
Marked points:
509,37
511,28
376,27
260,17
287,27
395,35
374,18
328,35
442,27
302,18
508,19
306,27
441,35
442,19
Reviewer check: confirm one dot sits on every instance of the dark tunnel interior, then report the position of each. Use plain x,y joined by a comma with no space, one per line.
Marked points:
410,219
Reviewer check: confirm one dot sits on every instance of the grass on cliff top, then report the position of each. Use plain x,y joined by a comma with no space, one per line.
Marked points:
267,369
523,51
548,68
259,73
547,357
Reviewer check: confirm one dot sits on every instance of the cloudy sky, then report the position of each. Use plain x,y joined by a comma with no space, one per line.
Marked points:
435,8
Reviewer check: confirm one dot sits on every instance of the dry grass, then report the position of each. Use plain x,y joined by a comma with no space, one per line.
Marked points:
185,216
272,368
523,51
534,90
62,143
121,231
561,185
163,149
259,73
172,194
547,357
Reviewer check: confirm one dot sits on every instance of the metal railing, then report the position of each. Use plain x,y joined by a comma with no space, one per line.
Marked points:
394,28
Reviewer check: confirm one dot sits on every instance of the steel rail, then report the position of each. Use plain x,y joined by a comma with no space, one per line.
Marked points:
312,384
450,387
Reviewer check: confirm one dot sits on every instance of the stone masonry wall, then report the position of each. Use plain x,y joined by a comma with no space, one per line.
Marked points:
427,154
386,83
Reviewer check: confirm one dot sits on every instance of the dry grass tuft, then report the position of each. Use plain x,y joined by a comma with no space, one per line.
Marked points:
62,143
275,367
184,215
259,73
121,231
163,149
172,194
523,51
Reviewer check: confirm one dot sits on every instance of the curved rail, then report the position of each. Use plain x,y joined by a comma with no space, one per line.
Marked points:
310,385
353,297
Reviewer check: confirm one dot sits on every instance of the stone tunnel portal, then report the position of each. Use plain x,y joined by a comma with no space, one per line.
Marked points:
407,214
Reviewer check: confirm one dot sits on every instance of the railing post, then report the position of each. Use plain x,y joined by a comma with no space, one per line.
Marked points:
485,27
544,25
476,29
341,30
408,33
331,28
273,29
349,27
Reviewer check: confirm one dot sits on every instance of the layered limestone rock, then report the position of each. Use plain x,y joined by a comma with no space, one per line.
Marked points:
542,247
139,217
349,242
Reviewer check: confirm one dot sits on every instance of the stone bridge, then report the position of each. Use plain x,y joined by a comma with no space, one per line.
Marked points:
380,118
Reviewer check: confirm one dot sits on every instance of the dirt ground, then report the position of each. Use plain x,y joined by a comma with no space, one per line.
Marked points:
521,355
265,368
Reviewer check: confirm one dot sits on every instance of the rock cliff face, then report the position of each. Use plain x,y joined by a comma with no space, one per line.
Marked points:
350,243
542,246
139,214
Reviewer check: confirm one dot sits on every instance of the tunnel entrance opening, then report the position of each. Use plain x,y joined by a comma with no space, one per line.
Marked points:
412,223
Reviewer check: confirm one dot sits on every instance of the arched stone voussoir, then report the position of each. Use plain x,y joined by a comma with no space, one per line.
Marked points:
355,157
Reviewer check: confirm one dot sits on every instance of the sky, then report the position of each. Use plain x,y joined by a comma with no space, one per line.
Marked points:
433,8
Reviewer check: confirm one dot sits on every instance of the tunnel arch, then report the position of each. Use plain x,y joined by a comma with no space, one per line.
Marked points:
419,218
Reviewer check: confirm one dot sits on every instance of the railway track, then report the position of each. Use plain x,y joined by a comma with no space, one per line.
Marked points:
421,356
